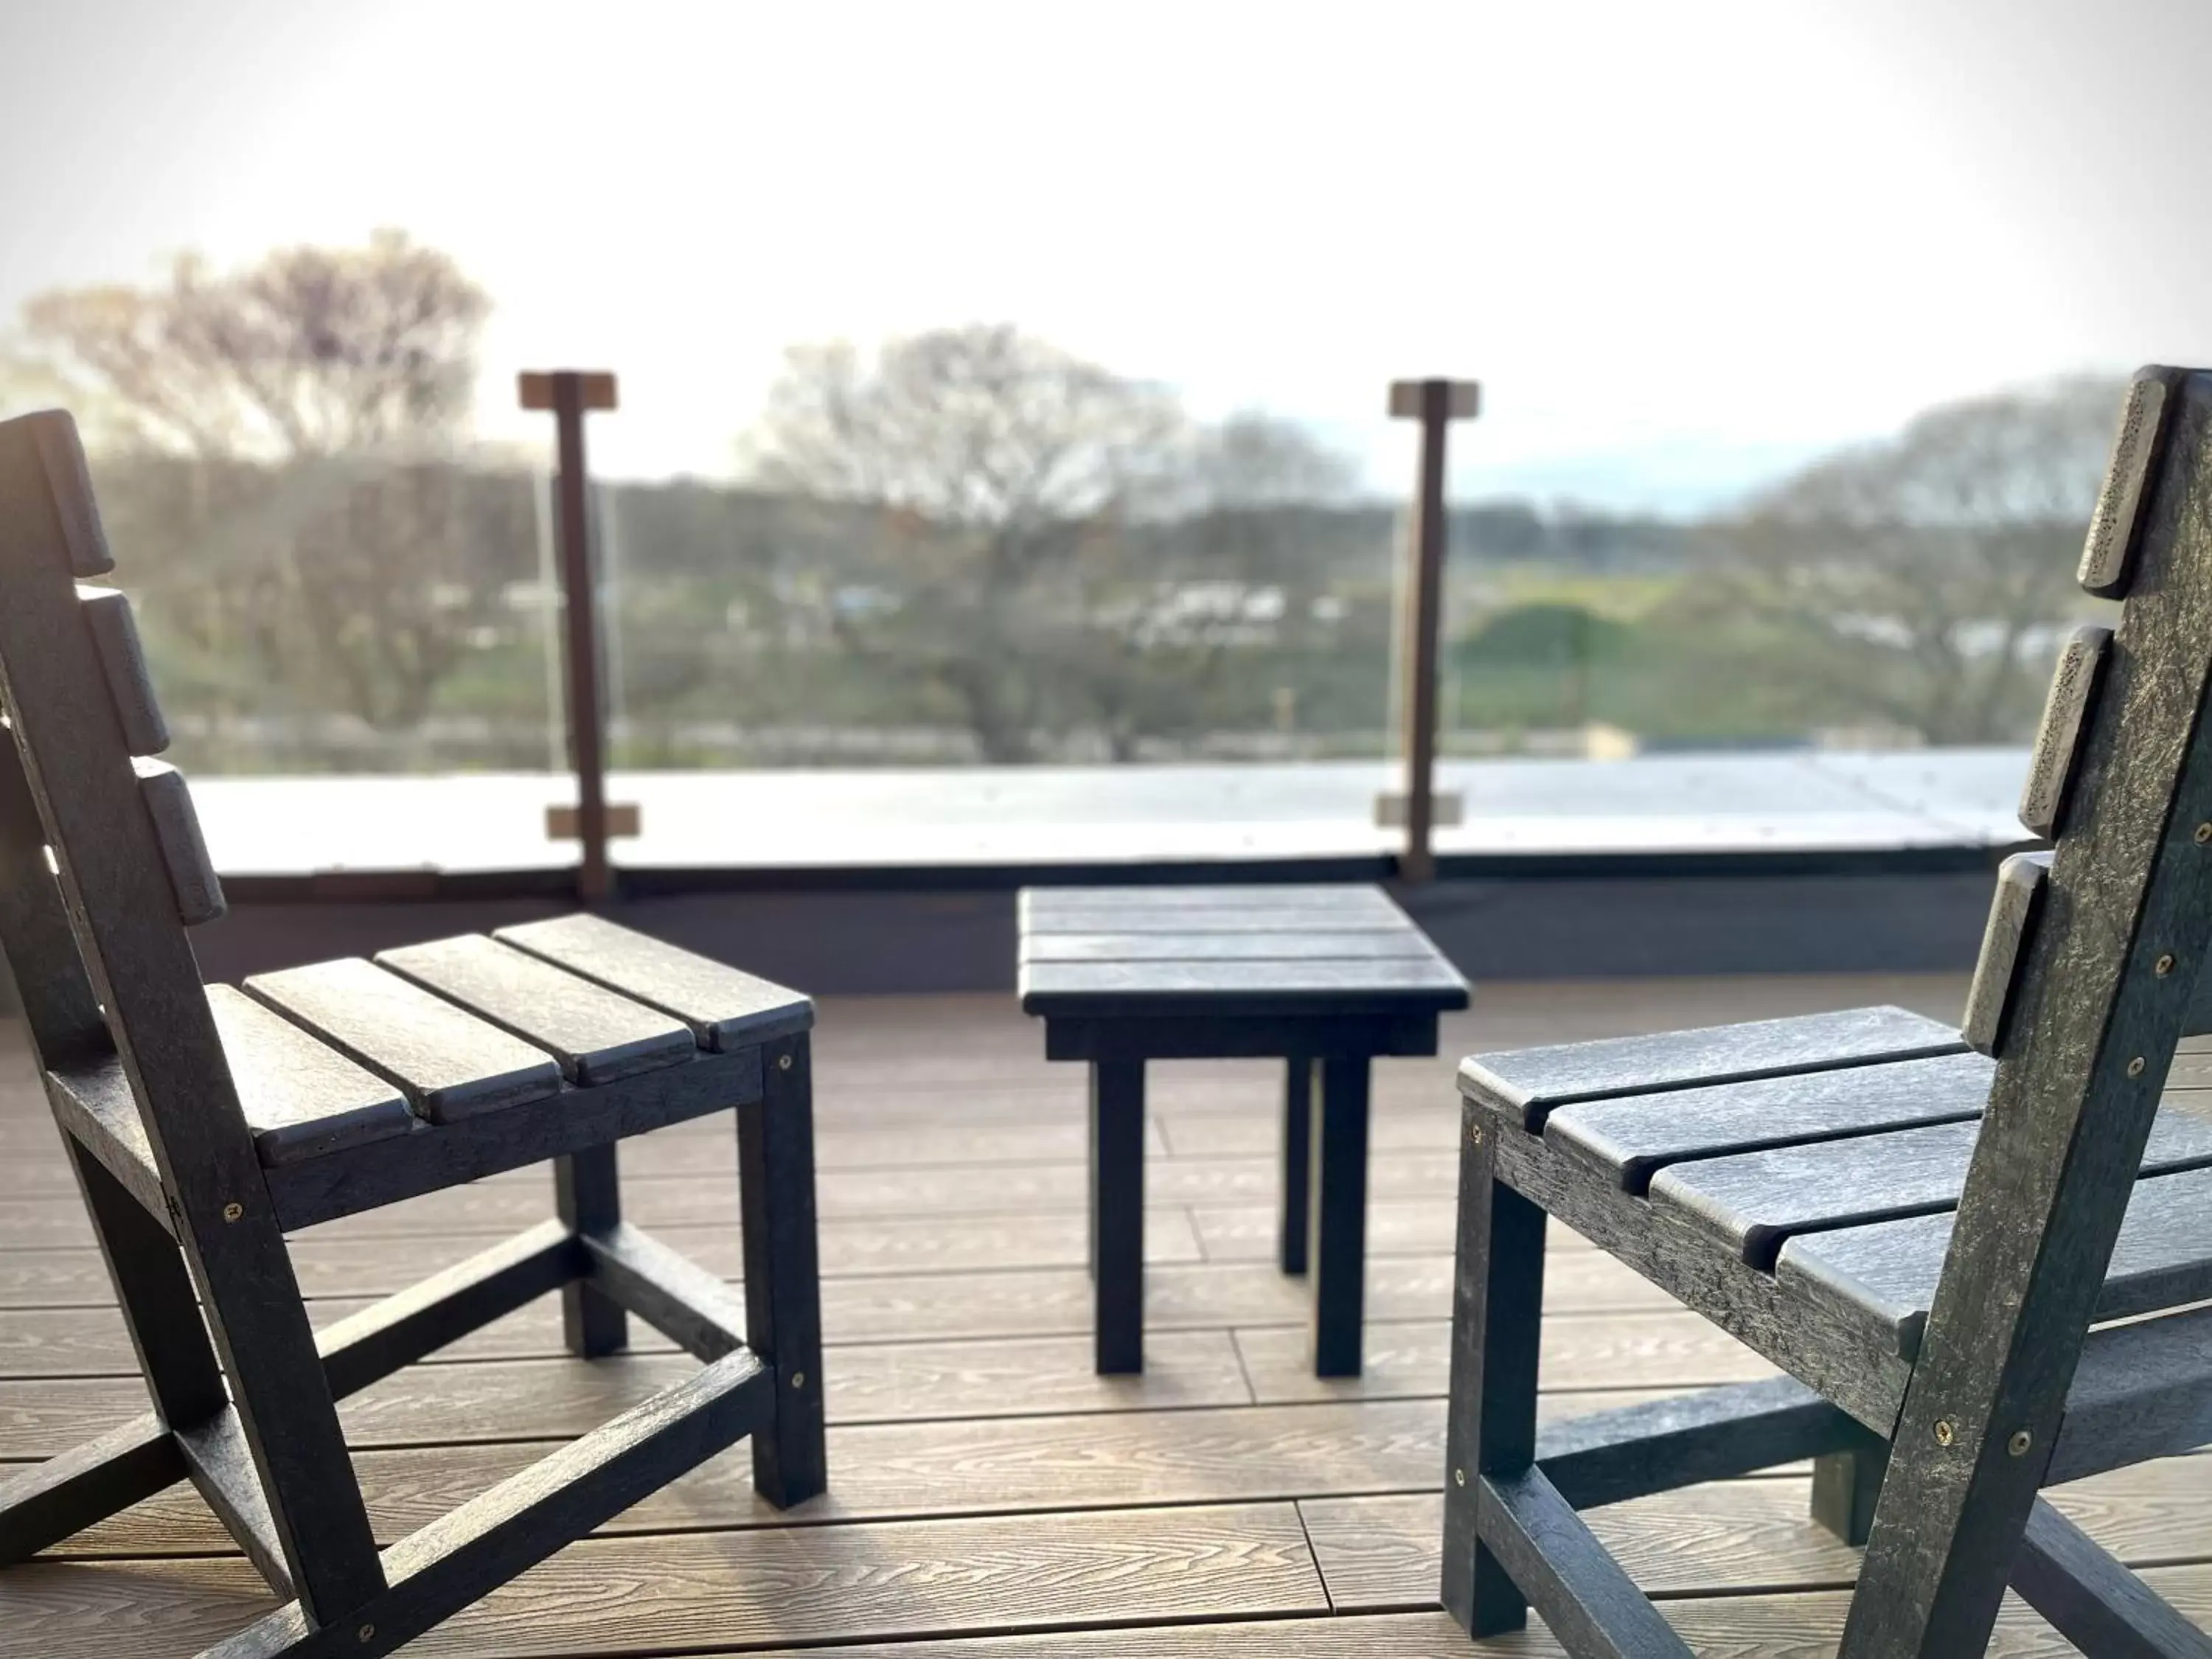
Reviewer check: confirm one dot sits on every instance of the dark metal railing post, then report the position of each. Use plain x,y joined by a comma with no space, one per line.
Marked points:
568,393
1436,405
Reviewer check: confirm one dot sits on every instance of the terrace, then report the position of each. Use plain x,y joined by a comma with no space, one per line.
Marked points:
817,612
991,1497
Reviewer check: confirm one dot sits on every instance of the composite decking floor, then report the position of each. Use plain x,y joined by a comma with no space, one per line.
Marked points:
990,1498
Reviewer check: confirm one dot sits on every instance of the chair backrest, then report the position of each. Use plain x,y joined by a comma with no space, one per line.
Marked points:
102,868
2093,948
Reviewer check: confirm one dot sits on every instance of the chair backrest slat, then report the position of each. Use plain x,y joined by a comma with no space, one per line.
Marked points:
2087,975
130,869
2057,758
184,850
2013,917
115,636
60,454
2116,529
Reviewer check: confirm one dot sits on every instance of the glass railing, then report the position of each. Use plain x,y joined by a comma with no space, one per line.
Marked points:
355,655
338,615
1013,638
1857,656
975,600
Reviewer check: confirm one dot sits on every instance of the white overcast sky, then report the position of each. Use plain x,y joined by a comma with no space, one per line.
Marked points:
1680,241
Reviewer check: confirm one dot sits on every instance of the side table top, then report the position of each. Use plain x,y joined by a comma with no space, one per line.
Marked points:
1232,952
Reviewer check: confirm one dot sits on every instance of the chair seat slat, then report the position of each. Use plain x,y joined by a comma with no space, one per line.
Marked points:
724,1006
1537,1081
1883,1275
1630,1138
450,1064
1751,1202
596,1035
300,1098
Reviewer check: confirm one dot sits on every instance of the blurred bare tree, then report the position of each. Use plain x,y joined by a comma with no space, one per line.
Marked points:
1060,549
1003,473
319,398
1921,581
1240,554
312,351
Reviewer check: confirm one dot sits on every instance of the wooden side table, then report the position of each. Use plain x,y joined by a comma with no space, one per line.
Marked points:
1326,978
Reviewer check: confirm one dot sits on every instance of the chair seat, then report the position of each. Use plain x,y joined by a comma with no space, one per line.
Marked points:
339,1055
1826,1153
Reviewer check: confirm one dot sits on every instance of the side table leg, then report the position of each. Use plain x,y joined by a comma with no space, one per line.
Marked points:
1297,1157
1117,1212
1340,1178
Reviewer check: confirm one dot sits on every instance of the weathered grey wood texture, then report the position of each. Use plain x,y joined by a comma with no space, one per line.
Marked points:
1755,1201
596,1034
1539,1081
2095,1019
2056,757
1887,1271
1240,985
1226,951
197,1118
300,1097
726,1007
451,1064
2012,914
1630,1140
1964,1343
1327,978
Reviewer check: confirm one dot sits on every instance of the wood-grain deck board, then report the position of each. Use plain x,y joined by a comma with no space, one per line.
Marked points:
984,1482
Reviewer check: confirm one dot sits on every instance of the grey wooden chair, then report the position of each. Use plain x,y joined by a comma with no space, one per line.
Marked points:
204,1122
1932,1241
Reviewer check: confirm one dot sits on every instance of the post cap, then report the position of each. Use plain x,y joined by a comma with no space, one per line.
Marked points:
595,388
1462,398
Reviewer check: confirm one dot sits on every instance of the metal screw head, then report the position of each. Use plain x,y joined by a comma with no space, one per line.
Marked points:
1475,1135
783,1062
2204,834
231,1212
1945,1434
2164,965
799,1379
1459,1477
2020,1441
2135,1066
365,1633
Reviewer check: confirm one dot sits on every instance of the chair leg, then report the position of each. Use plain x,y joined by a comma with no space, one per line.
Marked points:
1498,1308
287,1414
161,1309
587,1194
1340,1209
783,1295
1845,1485
1117,1214
160,1306
1297,1155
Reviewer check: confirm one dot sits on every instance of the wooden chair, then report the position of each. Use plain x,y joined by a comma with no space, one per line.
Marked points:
1932,1242
204,1122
